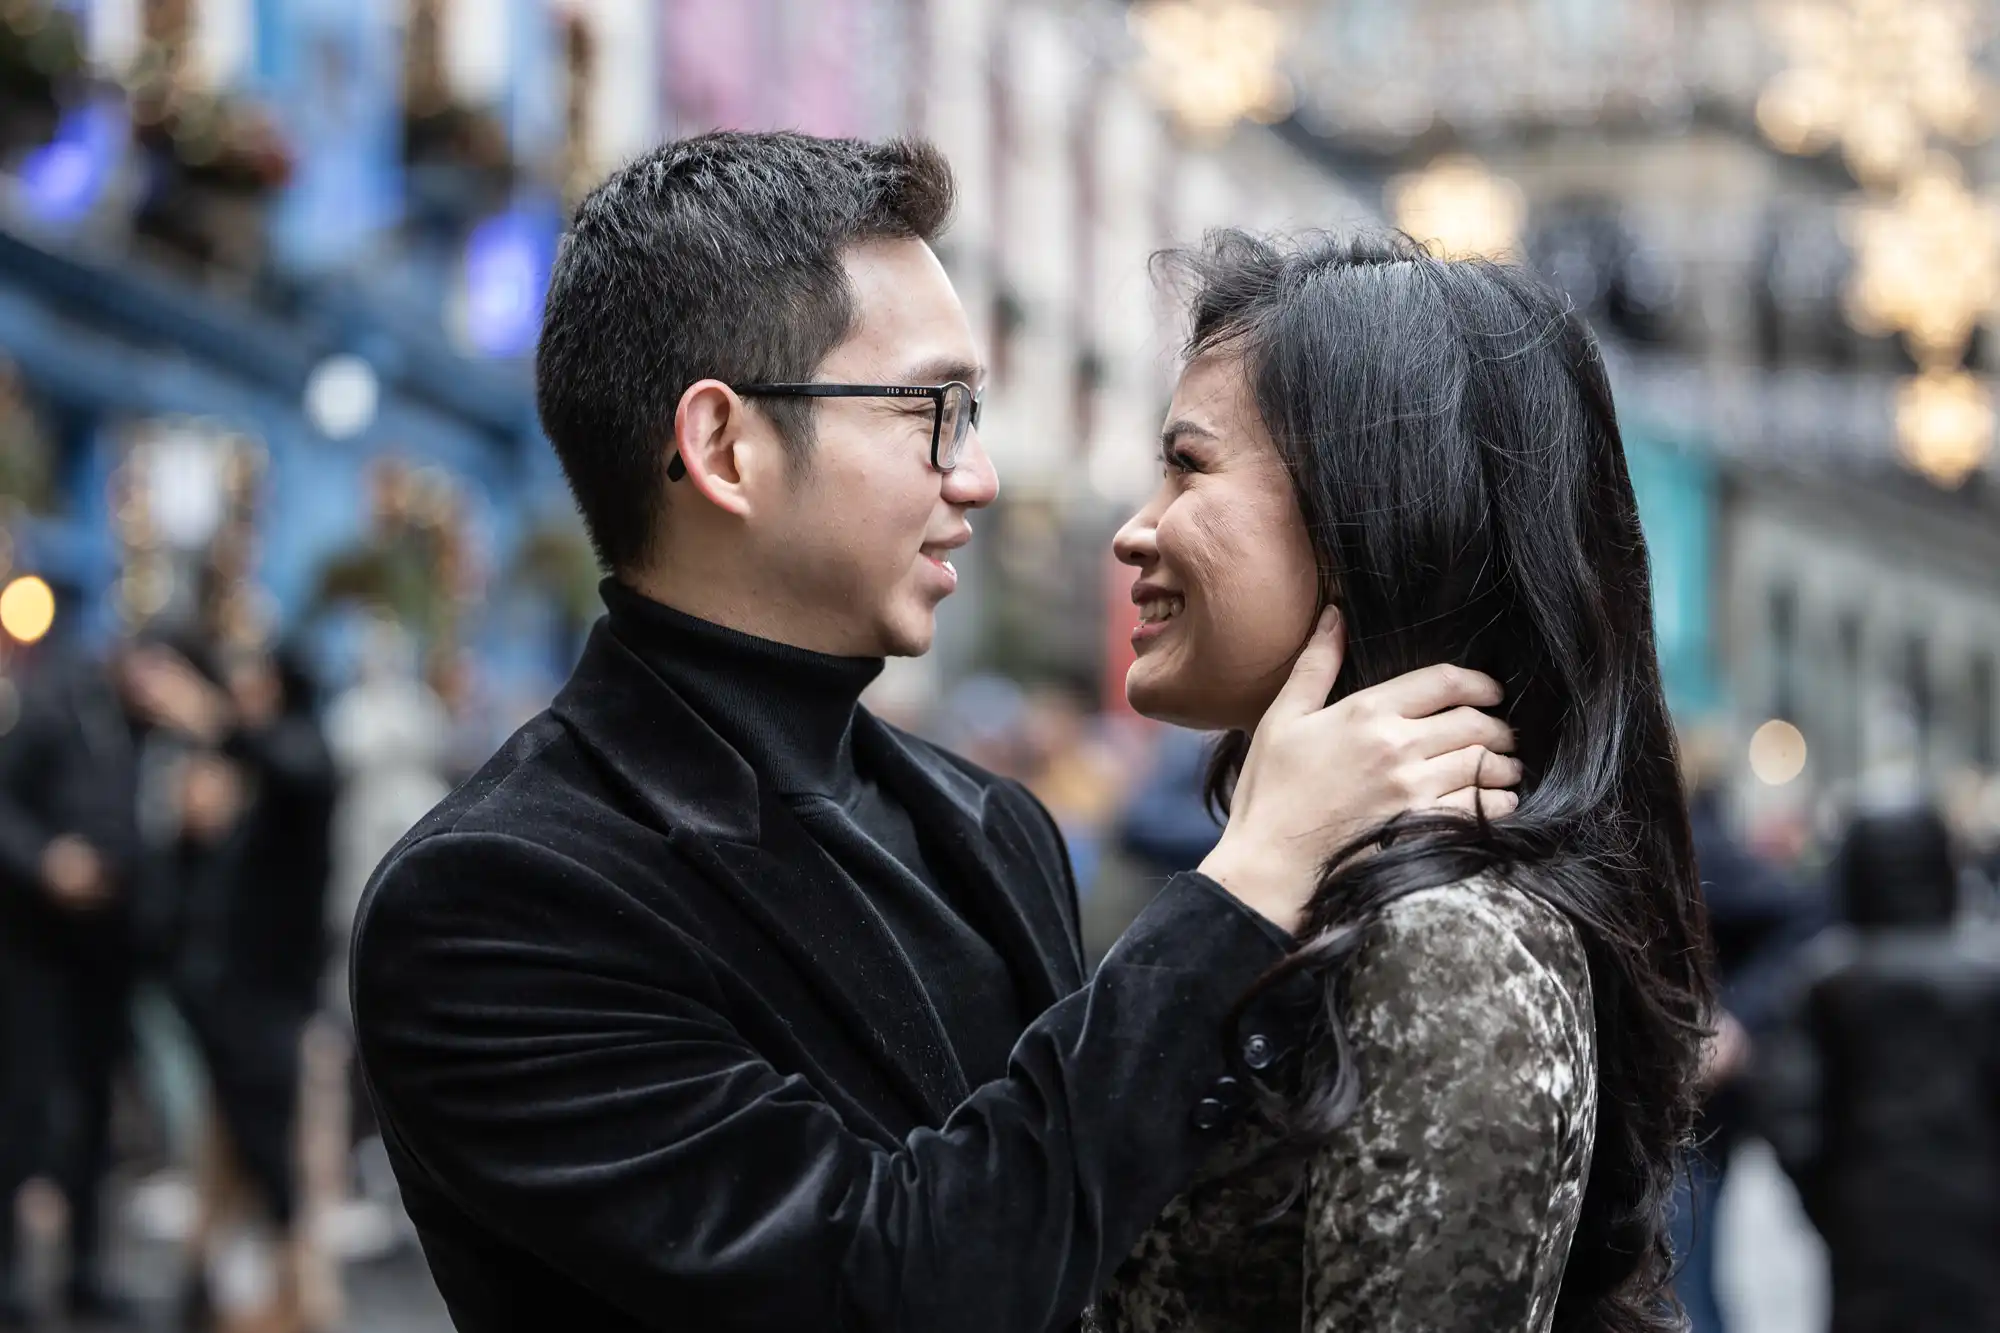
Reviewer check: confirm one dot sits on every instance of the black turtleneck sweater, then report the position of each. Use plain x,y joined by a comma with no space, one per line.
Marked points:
790,713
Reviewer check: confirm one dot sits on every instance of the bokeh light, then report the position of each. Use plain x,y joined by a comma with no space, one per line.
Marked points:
1777,753
27,609
1459,208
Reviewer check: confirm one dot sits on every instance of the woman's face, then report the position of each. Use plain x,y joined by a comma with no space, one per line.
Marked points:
1228,585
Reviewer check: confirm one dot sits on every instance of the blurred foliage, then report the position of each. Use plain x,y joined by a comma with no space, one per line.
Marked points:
555,559
41,53
26,467
412,564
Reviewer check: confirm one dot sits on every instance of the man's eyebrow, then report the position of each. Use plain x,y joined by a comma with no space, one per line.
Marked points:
945,369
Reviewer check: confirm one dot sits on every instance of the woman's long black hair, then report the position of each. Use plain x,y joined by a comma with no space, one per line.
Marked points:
1450,434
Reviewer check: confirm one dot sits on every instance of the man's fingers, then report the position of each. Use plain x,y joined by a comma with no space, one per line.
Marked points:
1314,673
1494,804
1459,729
1433,689
1472,767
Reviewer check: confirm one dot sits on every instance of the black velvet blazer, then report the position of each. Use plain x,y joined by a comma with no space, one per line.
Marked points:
646,1058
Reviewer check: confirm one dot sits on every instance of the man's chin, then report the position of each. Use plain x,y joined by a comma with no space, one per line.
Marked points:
909,635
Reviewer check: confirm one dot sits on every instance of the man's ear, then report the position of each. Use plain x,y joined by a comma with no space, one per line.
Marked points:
709,425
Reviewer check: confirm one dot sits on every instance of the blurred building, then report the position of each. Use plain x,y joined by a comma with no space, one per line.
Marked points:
1072,177
316,233
1773,216
264,313
309,238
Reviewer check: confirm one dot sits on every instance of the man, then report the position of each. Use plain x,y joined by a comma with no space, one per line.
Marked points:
1757,923
713,1002
70,867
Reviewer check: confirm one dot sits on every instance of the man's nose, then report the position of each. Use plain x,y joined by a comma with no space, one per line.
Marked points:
973,482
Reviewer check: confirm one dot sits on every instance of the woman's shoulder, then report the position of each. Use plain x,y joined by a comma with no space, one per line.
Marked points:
1484,948
1475,924
1449,1199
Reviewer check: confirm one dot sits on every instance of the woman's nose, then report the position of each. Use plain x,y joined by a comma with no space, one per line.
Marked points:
1134,544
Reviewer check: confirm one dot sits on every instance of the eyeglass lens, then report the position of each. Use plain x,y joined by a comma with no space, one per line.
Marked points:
955,425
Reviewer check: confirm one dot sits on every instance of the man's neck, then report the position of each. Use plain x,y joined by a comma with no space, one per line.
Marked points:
787,710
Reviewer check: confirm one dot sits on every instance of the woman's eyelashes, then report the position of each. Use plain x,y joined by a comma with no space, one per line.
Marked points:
1176,459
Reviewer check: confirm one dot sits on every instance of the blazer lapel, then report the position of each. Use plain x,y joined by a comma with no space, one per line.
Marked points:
750,844
990,868
837,939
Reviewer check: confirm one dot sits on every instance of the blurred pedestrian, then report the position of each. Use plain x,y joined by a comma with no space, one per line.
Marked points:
255,796
70,868
391,737
1757,922
1878,1088
1164,827
1072,772
1167,822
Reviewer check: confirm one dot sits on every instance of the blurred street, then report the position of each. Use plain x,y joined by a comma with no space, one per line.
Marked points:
390,1292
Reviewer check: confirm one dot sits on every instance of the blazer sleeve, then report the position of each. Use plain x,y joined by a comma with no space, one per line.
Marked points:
587,1099
1448,1202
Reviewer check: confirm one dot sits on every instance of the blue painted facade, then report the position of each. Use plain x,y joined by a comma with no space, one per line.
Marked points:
1676,489
101,339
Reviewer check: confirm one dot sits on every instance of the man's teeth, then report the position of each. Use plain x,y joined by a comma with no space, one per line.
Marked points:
1165,608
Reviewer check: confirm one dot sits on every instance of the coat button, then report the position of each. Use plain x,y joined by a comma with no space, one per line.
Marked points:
1209,1113
1229,1091
1259,1052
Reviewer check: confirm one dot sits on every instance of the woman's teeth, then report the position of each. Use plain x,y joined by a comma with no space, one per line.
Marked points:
1163,609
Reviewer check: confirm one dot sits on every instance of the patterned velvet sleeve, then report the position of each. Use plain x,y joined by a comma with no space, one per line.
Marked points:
1448,1202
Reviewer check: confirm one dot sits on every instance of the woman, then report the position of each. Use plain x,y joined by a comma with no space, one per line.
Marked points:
255,792
1484,1136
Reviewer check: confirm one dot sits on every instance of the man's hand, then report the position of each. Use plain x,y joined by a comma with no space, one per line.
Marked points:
73,874
1318,776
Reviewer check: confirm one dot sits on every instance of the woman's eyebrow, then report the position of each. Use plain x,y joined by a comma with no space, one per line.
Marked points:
1181,426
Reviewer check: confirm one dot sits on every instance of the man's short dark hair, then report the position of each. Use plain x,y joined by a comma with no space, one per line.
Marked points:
716,256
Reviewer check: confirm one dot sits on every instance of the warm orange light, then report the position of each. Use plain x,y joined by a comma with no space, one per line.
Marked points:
27,608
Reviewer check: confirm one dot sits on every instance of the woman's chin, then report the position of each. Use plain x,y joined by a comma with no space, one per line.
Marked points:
1162,692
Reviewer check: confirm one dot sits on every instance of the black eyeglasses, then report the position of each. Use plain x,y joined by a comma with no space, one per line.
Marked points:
956,412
